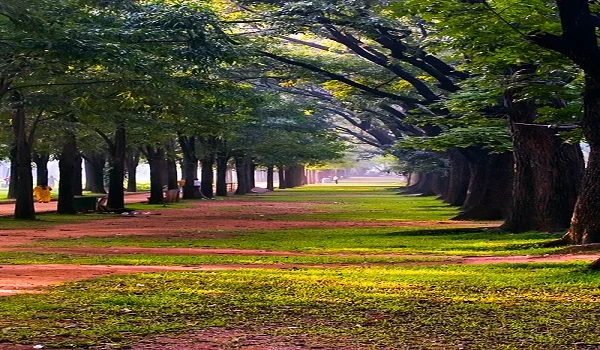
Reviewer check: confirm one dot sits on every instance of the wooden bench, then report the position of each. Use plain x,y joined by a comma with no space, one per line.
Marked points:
89,203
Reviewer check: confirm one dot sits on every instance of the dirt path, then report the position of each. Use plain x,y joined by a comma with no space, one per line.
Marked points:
205,219
15,279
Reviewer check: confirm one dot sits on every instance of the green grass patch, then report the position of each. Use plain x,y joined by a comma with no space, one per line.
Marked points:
373,240
24,258
541,306
44,220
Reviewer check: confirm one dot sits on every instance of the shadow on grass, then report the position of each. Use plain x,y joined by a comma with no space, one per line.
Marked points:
442,231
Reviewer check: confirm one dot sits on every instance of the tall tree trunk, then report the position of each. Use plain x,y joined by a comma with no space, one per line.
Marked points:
547,173
242,168
24,208
156,157
208,178
190,165
252,173
132,160
222,160
41,164
94,170
281,174
423,186
489,194
270,178
440,184
585,224
458,180
171,165
67,168
116,193
294,176
77,176
14,169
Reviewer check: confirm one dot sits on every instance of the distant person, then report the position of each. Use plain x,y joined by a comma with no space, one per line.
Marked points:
7,181
336,179
51,180
42,193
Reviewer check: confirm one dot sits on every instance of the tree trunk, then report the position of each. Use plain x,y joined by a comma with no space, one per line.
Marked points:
547,173
251,174
270,178
41,164
132,160
12,185
77,176
190,165
439,184
294,176
94,172
458,179
156,159
242,168
171,165
24,208
222,160
423,186
67,168
489,193
207,175
281,173
116,193
585,224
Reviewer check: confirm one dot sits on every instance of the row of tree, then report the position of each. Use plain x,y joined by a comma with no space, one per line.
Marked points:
115,81
482,99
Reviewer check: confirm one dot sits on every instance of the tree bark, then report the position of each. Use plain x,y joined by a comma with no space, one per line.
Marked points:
14,169
116,193
77,175
67,168
585,224
41,164
190,165
94,172
24,208
171,165
281,174
222,160
423,186
458,179
489,188
156,157
241,169
294,176
208,178
270,178
132,160
547,173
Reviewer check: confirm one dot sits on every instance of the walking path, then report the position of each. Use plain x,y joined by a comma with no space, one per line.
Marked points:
207,219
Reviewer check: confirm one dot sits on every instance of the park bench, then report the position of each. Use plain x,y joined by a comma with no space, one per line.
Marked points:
89,203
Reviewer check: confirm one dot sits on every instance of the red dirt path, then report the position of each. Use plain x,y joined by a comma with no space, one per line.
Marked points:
205,219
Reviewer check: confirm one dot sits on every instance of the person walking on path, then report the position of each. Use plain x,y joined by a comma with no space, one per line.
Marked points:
336,179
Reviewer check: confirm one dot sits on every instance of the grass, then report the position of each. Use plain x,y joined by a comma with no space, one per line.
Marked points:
373,240
23,258
543,306
44,220
510,306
